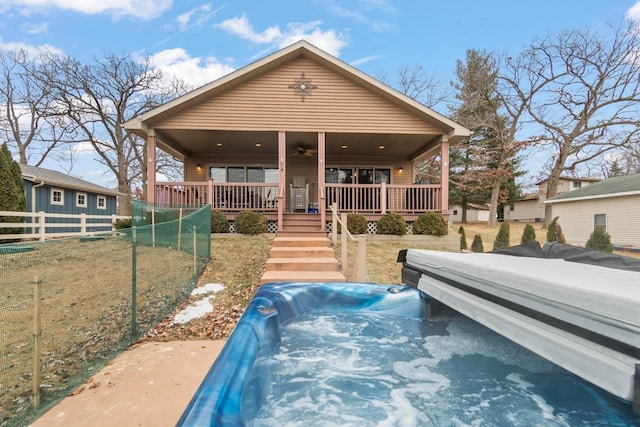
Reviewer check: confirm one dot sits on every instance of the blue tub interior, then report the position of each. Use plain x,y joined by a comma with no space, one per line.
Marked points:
234,389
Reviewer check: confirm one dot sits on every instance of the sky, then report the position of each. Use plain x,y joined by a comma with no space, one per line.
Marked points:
201,41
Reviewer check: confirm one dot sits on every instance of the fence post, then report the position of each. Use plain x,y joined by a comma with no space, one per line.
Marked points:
37,336
83,224
344,243
42,225
134,328
334,223
179,229
362,258
113,222
153,227
195,253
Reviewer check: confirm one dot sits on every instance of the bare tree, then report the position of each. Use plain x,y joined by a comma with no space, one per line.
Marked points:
418,85
582,92
98,98
29,121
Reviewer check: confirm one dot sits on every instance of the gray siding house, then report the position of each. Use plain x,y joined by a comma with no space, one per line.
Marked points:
613,204
56,192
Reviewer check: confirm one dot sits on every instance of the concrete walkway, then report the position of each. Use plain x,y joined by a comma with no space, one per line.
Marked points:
147,385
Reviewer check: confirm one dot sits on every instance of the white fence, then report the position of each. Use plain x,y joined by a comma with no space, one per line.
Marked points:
39,225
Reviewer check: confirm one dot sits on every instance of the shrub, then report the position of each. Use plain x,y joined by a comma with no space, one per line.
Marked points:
392,223
219,222
600,240
528,235
554,232
356,223
463,238
503,237
476,245
249,222
431,223
121,224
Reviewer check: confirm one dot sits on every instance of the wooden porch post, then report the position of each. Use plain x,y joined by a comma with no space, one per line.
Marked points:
444,173
282,176
151,166
321,190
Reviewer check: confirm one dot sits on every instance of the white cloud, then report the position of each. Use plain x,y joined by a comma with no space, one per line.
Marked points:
35,29
32,51
361,11
364,60
634,12
329,40
196,16
178,63
141,9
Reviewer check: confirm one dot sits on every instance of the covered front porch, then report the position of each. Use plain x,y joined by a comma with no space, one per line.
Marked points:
298,132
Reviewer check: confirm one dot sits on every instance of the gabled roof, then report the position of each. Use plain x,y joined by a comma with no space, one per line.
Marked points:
54,178
139,125
572,178
613,187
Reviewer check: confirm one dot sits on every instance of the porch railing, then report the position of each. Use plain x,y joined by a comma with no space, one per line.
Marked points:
383,198
228,196
263,197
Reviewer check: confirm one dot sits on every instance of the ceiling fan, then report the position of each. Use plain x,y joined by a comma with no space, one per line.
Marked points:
301,150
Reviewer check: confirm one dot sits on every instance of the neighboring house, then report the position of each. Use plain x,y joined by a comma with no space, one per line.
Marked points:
58,193
613,203
474,213
531,207
296,132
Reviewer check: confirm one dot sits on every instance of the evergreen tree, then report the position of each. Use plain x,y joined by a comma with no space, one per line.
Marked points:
503,237
528,235
476,245
554,232
600,240
463,238
12,193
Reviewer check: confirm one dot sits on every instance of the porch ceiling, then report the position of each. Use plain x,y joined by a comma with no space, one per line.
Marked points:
194,142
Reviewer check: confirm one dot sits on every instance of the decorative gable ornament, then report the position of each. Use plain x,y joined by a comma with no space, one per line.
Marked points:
302,87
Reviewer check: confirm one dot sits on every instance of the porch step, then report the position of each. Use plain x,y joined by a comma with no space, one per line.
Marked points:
306,264
301,252
301,223
302,276
298,241
302,259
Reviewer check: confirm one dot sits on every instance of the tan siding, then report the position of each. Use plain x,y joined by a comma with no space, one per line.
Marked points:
623,219
266,103
527,210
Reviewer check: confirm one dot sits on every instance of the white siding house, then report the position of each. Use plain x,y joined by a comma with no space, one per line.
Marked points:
531,208
474,214
613,203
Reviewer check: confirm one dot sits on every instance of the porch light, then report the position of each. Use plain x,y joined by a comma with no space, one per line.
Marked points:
219,144
344,147
199,167
381,147
258,144
400,170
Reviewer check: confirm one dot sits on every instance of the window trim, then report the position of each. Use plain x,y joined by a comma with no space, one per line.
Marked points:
595,224
78,195
104,205
245,171
52,198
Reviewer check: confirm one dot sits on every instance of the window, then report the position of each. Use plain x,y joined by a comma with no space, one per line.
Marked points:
600,220
102,202
361,175
512,207
81,200
57,196
243,174
577,184
455,212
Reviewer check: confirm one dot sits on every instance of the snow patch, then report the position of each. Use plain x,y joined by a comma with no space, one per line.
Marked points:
209,288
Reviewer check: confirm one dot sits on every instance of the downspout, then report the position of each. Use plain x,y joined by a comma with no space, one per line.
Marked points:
33,195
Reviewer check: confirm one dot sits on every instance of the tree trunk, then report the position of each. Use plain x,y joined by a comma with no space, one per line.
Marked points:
493,205
552,190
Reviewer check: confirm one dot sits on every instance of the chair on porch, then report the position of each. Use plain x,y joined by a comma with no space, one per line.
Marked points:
299,194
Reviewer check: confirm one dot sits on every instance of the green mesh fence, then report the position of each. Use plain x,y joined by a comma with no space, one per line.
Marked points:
68,306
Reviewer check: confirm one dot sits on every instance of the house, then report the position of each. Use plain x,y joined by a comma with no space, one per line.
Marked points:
294,133
530,208
613,203
474,213
58,193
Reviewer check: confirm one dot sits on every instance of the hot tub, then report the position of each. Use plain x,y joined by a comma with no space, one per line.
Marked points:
365,354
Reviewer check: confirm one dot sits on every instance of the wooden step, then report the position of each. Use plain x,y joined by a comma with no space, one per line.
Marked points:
302,276
301,252
301,241
301,233
302,264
